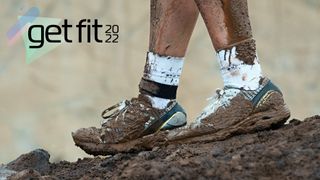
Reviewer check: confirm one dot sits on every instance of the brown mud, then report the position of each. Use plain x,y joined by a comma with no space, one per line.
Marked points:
148,87
237,19
227,122
290,152
171,26
246,51
227,21
271,112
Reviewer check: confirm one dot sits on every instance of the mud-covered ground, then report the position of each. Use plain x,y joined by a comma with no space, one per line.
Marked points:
290,152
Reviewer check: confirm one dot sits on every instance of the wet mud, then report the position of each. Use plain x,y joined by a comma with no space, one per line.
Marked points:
246,51
237,19
289,152
227,21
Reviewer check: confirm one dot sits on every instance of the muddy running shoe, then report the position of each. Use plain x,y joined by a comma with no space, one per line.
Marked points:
235,111
128,121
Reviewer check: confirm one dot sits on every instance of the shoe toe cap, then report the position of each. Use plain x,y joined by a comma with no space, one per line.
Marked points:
87,135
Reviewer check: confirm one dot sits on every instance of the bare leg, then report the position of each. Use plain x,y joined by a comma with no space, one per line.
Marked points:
248,103
172,23
227,21
171,26
229,27
247,100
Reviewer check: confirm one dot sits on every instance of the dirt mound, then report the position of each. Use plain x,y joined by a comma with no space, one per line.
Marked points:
292,151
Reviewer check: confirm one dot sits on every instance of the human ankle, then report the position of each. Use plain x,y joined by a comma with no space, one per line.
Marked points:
161,78
239,65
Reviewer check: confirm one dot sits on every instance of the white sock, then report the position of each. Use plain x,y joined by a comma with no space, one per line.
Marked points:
159,103
236,73
163,69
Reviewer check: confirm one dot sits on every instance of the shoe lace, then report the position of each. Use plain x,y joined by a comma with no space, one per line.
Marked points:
114,111
122,108
221,98
122,120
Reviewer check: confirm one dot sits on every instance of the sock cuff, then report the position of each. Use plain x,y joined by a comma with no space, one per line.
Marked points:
240,67
163,69
244,51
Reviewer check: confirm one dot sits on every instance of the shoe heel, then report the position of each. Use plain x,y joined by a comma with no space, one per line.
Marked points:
270,112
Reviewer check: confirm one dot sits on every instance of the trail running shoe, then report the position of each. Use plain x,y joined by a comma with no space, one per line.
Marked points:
127,121
235,111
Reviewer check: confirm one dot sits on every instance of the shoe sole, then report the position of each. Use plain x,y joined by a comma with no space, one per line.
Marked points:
176,120
269,118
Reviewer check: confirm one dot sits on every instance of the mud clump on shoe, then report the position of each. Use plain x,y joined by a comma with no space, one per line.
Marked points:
127,127
234,111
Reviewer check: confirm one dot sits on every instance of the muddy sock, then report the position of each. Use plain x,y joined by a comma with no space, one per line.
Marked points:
161,78
239,65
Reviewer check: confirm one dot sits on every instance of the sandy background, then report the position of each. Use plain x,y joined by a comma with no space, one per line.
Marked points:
41,103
